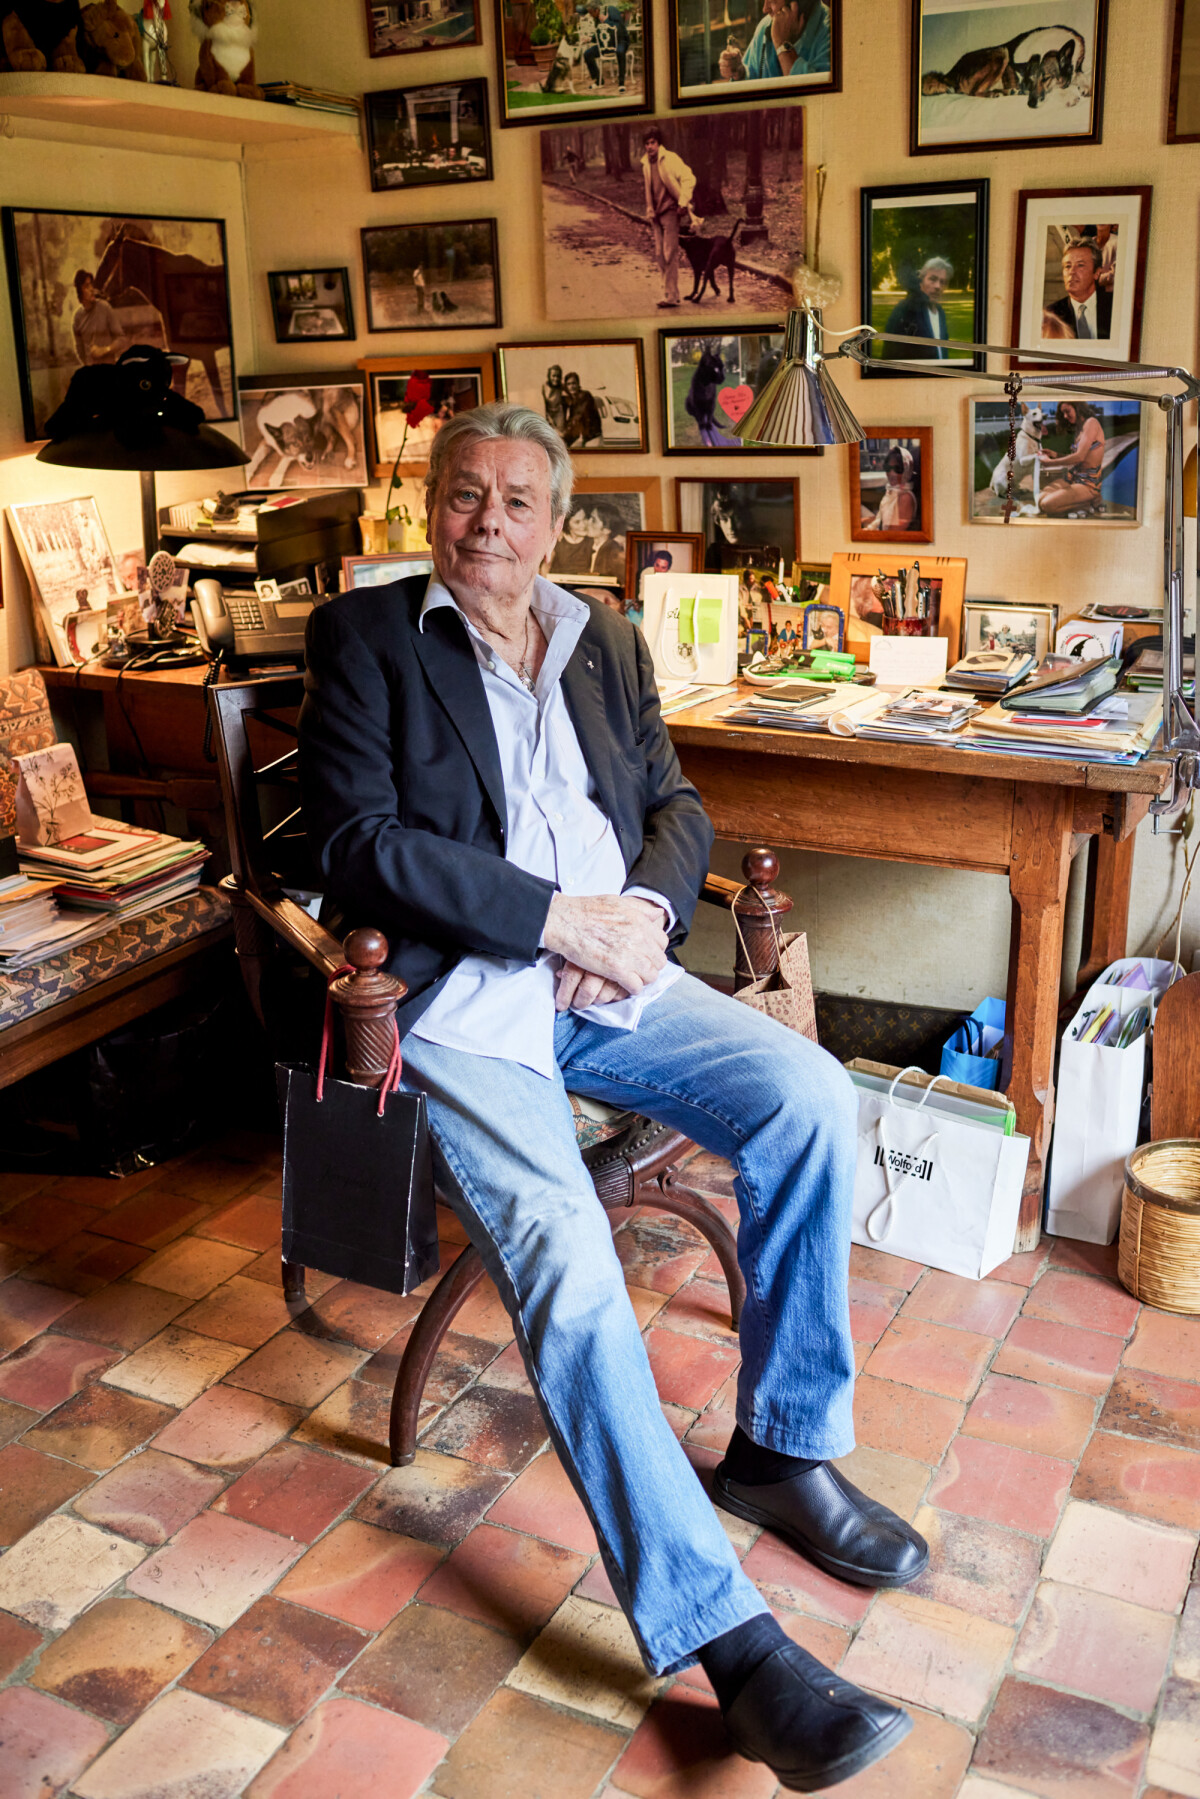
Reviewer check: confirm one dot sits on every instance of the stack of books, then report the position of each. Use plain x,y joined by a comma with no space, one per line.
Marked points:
990,671
1146,675
805,707
1066,686
118,870
316,99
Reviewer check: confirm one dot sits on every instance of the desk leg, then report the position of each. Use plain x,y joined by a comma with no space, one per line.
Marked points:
1041,862
1106,916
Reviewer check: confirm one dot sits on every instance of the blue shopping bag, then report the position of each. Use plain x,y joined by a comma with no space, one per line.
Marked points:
965,1055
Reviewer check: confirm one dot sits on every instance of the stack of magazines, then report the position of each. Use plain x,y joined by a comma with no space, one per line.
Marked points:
804,707
1146,675
1120,728
120,870
990,671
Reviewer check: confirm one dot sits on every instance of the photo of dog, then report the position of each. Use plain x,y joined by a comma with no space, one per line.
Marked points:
710,381
1038,63
1075,461
1022,461
311,436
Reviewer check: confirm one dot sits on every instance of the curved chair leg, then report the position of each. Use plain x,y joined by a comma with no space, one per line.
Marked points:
698,1211
432,1323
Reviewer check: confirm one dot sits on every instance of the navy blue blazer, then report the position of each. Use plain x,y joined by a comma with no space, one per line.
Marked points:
403,796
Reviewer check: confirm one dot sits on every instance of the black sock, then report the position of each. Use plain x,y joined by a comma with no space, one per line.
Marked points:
752,1466
731,1659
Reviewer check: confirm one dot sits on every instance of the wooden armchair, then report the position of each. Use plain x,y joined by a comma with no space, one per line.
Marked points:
632,1161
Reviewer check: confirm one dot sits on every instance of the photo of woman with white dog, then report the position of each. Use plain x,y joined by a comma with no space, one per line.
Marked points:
1072,461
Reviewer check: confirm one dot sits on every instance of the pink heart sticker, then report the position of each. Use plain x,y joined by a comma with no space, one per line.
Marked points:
735,402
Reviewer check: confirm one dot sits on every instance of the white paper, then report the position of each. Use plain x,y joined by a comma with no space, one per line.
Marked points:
51,801
909,661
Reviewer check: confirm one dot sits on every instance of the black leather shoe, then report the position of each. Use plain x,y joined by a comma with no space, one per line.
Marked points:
809,1726
827,1519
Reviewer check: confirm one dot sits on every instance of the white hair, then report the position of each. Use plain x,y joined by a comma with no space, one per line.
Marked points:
936,262
517,423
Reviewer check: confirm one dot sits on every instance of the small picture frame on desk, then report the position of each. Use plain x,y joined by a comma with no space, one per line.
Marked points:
891,485
999,625
851,586
382,570
824,626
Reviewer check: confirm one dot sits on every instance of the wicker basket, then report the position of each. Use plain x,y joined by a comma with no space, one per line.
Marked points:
1159,1258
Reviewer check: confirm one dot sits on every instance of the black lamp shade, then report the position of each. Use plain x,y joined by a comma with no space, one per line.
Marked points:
157,450
127,415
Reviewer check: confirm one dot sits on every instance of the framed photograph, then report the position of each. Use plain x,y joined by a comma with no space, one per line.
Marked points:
431,136
709,382
593,547
304,432
594,394
411,397
741,521
891,485
722,53
561,60
86,285
661,553
1012,76
852,589
924,272
1080,271
311,305
604,260
378,571
1074,462
404,26
824,627
1183,105
442,277
70,566
993,625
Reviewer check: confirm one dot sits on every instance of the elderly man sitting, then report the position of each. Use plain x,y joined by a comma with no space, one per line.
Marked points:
487,777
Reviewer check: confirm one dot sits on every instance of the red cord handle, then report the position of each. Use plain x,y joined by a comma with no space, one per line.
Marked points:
392,1073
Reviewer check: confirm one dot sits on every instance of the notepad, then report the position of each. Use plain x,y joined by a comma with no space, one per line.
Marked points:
700,618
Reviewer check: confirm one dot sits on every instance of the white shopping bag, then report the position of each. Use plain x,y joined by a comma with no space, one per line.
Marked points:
933,1185
690,623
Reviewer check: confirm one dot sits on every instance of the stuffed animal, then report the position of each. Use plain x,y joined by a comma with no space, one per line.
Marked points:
110,42
40,34
227,34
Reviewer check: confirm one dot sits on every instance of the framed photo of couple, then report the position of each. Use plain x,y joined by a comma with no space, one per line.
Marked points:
1080,271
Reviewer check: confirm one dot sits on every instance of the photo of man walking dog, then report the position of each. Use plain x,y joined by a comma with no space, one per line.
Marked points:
704,213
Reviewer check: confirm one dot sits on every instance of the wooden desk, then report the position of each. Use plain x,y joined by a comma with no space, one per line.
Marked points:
951,808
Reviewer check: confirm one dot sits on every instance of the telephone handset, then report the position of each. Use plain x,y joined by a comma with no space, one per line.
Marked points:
266,622
210,615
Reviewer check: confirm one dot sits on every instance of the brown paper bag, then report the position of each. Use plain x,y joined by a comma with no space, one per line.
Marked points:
787,994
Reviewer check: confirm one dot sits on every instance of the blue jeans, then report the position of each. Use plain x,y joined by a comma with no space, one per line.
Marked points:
784,1112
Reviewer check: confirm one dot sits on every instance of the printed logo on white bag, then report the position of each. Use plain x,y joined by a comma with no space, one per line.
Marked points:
915,1168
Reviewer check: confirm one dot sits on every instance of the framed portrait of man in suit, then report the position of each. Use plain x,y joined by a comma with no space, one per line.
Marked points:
924,273
1080,271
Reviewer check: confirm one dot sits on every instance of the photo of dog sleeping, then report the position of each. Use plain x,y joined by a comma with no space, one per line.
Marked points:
1033,62
308,436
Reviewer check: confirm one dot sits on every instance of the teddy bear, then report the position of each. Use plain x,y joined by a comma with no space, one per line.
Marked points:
110,41
40,34
227,34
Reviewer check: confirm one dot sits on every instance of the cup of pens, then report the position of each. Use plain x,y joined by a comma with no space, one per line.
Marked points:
907,603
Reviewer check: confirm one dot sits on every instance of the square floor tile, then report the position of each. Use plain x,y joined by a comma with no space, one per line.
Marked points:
360,1573
519,1745
656,1255
543,1502
1175,1750
903,1420
99,1427
1086,1258
43,1373
31,1487
932,1654
587,1660
149,1497
85,1263
701,1309
1054,1744
226,1428
1128,1558
892,1480
42,1222
1154,1479
505,1579
1140,1404
1166,1345
872,1308
17,1643
1047,1420
213,1178
119,1656
1061,1355
1096,1645
297,1370
183,1744
214,1568
175,1367
104,1190
46,1745
353,1422
987,1306
688,1370
252,1222
14,1420
681,1750
346,1748
437,1499
1068,1298
240,1311
59,1568
27,1307
362,1316
932,1357
978,1567
434,1666
122,1315
276,1660
192,1266
788,1579
877,1265
295,1491
492,1427
152,1219
1009,1486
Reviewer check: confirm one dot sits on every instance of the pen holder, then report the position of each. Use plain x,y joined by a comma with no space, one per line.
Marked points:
908,627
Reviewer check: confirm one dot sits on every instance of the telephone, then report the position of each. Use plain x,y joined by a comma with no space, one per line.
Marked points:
267,623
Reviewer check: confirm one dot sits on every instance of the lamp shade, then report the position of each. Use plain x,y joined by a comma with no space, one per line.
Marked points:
800,407
126,415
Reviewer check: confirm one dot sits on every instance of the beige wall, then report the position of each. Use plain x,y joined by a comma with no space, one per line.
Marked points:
874,927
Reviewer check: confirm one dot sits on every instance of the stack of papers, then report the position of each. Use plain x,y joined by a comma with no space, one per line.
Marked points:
1065,685
119,870
1120,728
990,671
806,706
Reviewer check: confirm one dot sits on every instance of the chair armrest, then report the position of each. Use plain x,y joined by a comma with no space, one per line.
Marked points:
719,890
292,923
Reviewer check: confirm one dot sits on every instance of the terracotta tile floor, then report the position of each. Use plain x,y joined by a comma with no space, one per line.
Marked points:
211,1583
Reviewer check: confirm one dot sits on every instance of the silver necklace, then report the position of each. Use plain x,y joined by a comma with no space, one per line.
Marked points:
525,674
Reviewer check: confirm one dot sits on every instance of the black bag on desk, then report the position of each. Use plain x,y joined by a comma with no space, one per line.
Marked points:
357,1177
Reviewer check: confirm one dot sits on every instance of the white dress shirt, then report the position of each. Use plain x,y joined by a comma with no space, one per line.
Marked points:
493,1007
1086,309
937,327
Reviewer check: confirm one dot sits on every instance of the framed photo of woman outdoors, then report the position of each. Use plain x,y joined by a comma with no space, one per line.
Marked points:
1080,271
924,272
891,485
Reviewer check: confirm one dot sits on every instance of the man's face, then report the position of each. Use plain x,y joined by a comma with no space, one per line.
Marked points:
572,384
662,565
933,282
87,293
1079,274
787,11
652,148
491,520
1103,233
